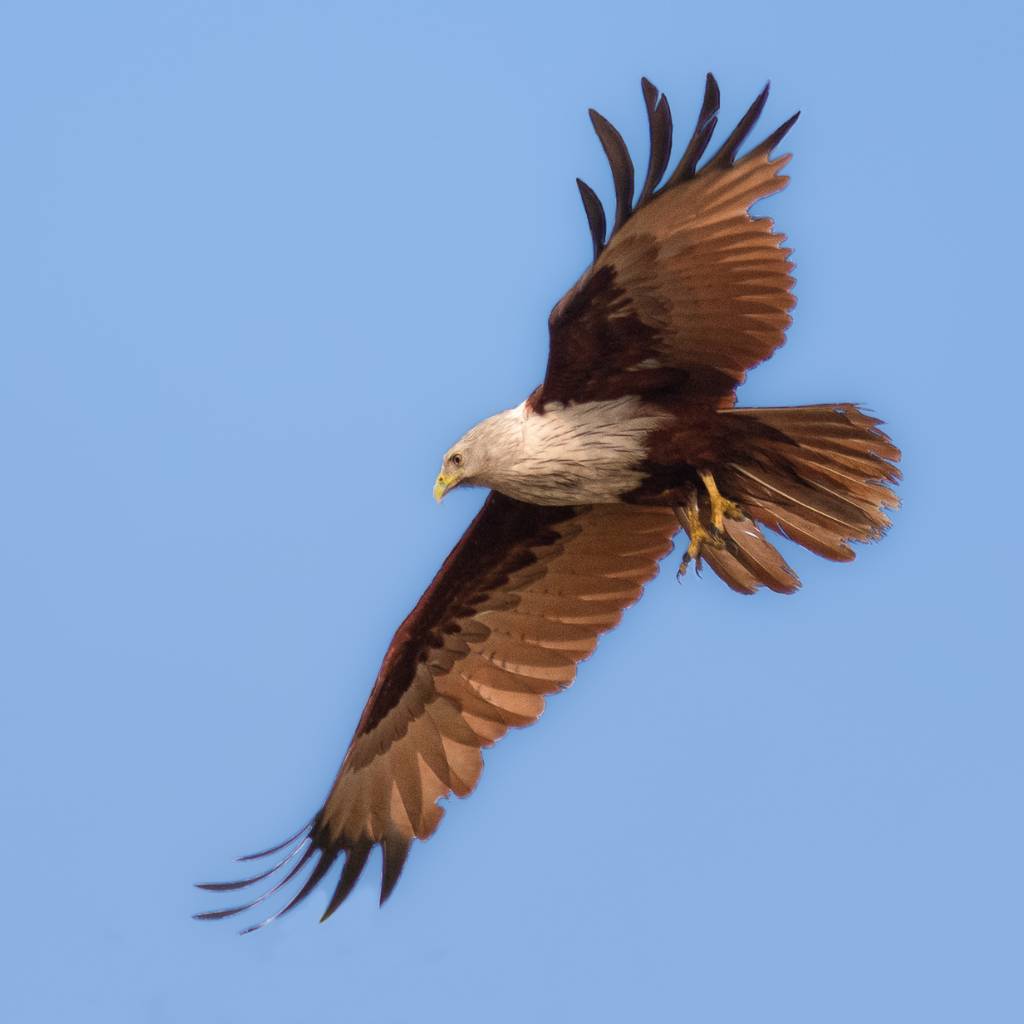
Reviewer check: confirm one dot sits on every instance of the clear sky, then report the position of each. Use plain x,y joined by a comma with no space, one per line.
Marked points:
262,263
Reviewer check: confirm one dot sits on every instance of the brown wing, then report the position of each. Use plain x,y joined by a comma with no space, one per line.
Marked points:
518,603
690,291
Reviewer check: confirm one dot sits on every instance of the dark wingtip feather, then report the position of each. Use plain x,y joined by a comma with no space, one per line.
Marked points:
727,154
712,97
321,869
216,915
595,215
243,882
396,850
702,132
777,136
280,846
621,164
659,119
355,861
694,151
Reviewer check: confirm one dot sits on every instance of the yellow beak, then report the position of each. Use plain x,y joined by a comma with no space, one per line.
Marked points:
442,486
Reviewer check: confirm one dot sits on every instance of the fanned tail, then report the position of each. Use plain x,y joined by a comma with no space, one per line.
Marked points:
820,475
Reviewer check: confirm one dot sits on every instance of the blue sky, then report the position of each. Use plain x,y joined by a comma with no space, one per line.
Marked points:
263,263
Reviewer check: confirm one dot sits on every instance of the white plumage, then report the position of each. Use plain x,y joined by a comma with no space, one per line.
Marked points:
581,453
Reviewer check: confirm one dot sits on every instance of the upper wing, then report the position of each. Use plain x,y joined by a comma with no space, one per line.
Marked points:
690,291
521,599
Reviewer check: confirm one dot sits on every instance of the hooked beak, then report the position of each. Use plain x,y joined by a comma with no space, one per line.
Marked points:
443,485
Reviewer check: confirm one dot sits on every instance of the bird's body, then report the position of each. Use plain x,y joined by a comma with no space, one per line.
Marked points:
633,434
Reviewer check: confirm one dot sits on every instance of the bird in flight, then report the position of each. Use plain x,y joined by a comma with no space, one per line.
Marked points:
633,435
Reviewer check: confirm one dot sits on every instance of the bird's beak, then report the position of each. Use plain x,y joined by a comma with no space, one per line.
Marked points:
442,486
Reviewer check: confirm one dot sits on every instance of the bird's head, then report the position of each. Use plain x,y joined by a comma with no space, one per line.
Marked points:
456,468
483,455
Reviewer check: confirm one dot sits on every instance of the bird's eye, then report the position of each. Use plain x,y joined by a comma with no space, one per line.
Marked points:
456,459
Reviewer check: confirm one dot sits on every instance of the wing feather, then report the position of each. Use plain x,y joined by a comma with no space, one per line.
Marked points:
698,143
621,164
595,215
689,291
659,120
518,604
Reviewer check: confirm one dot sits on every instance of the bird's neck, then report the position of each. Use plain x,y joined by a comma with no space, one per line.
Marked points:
584,453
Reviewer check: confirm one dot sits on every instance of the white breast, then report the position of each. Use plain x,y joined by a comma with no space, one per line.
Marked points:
580,453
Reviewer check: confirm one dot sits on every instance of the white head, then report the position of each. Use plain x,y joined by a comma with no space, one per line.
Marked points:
482,457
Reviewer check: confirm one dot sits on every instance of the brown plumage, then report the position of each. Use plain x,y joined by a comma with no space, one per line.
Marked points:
637,406
690,291
520,601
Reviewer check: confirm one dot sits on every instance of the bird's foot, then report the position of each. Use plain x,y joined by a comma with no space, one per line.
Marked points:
721,507
699,537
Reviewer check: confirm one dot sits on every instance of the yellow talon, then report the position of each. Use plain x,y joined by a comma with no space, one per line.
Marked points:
689,519
714,534
698,538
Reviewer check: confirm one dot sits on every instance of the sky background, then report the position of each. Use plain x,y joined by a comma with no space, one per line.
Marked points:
262,263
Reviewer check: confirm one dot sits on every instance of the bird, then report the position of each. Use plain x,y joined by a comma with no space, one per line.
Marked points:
633,436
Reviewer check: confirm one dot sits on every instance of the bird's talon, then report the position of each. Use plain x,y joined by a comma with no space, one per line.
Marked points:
699,536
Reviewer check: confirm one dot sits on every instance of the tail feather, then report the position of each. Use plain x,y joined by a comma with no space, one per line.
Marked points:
820,475
817,474
829,428
836,476
748,561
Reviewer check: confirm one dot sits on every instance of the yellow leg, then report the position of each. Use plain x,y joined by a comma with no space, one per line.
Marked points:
721,508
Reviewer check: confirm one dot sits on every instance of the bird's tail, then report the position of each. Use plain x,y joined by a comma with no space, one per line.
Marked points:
818,474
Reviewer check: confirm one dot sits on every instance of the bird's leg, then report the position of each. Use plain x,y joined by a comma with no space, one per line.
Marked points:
689,519
721,508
